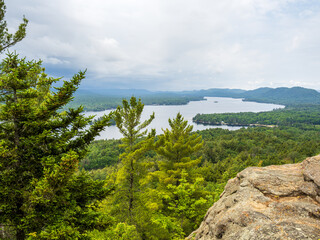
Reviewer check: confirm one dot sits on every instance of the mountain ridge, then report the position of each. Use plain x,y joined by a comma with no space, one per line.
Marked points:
281,95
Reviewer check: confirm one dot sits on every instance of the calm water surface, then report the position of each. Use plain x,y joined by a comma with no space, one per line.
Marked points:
188,111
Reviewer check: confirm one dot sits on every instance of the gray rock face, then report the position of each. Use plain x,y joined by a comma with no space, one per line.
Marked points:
269,203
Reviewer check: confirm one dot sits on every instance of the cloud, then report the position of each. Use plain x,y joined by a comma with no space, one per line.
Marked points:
175,45
54,61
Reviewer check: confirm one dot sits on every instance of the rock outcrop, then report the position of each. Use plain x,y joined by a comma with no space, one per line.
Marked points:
274,202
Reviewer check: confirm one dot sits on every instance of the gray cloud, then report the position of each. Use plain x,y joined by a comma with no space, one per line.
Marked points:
175,45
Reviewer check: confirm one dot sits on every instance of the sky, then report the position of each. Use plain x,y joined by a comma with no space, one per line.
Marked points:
174,44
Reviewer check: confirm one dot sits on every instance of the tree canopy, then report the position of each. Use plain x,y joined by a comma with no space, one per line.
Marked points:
42,191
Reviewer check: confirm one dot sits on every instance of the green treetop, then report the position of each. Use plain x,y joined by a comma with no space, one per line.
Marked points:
42,193
128,121
179,197
8,39
176,148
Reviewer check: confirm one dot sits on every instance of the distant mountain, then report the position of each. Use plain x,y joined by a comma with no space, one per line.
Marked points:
259,92
213,92
283,95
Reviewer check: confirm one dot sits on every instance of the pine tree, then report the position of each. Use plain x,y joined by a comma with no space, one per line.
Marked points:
179,193
42,192
8,39
128,121
176,146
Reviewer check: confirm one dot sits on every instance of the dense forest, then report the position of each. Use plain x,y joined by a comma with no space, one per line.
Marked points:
100,102
222,155
294,115
57,182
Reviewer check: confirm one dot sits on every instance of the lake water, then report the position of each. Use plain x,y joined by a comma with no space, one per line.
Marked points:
188,111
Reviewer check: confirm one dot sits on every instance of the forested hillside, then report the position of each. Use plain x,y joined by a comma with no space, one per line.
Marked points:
280,136
285,96
102,99
57,182
297,116
220,157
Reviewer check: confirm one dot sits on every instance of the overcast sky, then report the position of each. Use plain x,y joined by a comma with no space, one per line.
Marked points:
174,44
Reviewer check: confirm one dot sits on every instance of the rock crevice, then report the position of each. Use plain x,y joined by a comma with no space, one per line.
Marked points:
274,202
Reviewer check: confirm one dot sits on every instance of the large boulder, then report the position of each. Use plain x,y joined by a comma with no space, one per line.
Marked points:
274,202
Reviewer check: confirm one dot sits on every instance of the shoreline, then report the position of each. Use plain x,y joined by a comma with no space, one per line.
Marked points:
183,104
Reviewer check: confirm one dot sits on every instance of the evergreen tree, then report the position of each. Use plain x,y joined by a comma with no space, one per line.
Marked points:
43,195
128,121
176,146
8,39
179,193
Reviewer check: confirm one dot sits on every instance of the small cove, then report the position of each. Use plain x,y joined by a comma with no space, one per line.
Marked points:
188,111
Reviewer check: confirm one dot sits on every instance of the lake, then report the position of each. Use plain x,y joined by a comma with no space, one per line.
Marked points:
188,111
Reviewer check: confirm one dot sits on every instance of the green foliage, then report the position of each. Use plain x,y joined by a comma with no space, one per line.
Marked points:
297,116
176,146
40,149
102,153
128,121
131,169
178,192
162,186
8,39
172,197
121,231
158,210
162,189
229,152
188,202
